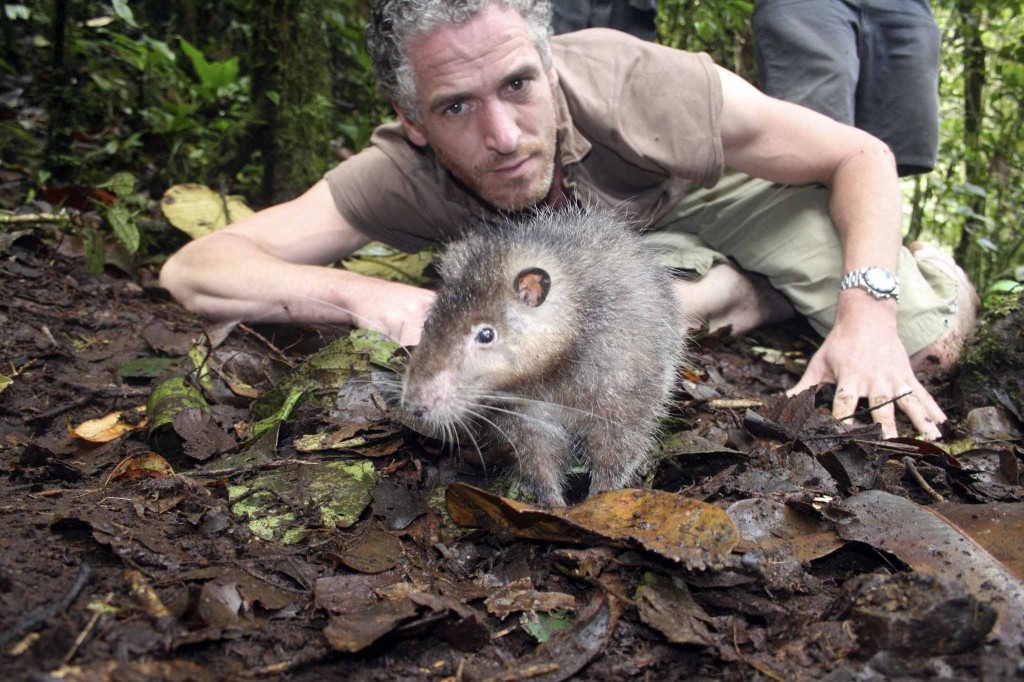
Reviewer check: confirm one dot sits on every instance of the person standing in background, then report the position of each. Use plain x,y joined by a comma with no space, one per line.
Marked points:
873,64
632,16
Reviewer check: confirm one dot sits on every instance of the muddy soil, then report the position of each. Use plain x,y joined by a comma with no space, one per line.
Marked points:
149,576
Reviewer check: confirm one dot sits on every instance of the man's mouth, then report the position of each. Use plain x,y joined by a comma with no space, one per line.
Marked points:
515,169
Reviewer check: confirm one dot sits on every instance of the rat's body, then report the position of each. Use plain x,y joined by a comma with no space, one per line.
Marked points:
559,328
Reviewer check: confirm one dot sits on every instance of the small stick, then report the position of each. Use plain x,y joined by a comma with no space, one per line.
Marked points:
267,342
235,471
908,462
85,632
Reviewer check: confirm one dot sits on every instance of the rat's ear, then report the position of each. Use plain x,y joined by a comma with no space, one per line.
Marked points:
531,286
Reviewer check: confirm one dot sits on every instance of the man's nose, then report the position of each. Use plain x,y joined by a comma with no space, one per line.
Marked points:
501,132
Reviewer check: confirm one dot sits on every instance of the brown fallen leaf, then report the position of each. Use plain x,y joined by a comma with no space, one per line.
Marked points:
666,605
929,544
509,599
357,630
372,552
149,465
112,426
684,530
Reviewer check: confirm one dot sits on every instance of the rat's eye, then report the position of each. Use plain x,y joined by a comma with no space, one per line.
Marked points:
485,336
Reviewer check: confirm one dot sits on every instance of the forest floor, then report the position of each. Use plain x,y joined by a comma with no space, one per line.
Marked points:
772,543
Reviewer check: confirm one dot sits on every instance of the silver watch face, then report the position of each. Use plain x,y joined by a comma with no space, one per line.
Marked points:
881,280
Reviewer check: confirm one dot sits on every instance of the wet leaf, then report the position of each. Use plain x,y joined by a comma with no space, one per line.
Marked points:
339,491
543,626
520,596
197,210
5,381
566,652
998,527
147,368
930,545
359,629
201,437
687,531
344,593
666,605
398,503
161,339
769,526
383,262
373,552
111,427
171,397
149,465
326,375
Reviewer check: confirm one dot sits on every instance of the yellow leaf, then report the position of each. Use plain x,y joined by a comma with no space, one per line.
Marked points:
114,425
197,210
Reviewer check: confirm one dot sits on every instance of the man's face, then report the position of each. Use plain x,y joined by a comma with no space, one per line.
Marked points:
487,107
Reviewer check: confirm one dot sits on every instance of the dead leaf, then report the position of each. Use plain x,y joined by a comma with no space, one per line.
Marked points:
197,210
687,531
927,543
566,653
359,629
666,605
149,465
769,526
373,552
112,426
518,596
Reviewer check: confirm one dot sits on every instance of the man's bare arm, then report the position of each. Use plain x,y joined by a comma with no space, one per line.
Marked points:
790,144
269,268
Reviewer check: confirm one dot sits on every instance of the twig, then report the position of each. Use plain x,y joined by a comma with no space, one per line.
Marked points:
34,218
872,408
235,471
908,462
85,631
267,342
38,616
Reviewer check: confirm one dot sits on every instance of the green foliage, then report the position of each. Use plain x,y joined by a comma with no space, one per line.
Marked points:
719,27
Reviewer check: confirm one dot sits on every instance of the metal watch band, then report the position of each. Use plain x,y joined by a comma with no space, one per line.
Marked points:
878,282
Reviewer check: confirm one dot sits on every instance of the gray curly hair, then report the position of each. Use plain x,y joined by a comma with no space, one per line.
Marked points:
395,24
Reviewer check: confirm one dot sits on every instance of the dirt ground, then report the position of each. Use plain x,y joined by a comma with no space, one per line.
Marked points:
835,560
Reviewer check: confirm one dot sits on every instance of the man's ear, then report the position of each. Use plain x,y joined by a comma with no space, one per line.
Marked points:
416,134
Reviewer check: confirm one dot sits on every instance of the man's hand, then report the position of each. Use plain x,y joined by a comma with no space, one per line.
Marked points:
864,357
396,310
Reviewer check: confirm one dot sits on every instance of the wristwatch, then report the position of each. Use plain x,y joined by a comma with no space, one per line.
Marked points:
879,282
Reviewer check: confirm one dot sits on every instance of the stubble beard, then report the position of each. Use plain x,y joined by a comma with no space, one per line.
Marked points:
512,195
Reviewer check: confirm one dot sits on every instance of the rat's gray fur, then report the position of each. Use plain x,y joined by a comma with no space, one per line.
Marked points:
596,359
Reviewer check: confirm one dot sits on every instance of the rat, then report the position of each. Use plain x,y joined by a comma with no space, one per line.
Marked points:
553,331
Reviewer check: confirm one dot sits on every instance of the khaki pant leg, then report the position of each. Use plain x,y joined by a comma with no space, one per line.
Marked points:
785,234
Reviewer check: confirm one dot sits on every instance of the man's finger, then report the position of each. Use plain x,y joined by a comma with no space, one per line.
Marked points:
914,407
883,413
814,375
845,402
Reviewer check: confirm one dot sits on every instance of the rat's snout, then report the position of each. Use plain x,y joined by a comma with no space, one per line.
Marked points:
434,397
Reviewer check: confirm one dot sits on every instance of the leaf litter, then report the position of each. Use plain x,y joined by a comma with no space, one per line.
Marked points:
272,519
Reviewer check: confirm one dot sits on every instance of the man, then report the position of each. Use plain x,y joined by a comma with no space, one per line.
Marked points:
494,117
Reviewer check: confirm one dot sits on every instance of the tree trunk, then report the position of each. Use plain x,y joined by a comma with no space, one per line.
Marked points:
292,91
974,86
61,101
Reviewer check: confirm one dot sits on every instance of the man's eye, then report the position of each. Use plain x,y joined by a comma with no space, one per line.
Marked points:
517,84
456,108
